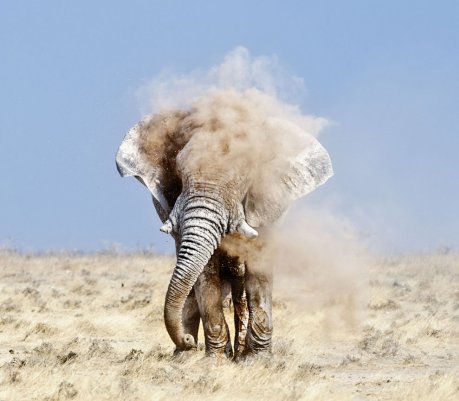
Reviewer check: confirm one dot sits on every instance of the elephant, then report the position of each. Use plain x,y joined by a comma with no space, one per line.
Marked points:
221,173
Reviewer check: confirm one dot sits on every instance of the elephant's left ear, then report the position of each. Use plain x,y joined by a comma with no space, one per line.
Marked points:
132,161
309,169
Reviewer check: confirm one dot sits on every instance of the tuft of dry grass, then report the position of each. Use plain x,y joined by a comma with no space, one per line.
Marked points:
90,327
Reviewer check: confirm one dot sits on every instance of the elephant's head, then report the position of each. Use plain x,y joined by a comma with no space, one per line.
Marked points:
204,169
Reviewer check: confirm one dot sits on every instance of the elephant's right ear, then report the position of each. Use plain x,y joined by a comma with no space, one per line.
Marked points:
306,170
133,160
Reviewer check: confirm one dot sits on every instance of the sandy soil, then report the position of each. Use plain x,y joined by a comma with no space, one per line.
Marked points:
90,327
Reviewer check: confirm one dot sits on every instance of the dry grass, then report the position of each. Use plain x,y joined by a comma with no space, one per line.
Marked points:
90,327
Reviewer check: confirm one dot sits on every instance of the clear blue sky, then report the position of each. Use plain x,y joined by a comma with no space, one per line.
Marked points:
386,72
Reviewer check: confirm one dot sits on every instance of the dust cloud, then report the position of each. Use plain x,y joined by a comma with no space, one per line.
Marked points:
240,117
232,118
239,71
321,263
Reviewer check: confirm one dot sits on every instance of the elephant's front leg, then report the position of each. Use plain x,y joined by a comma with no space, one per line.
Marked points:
208,295
259,295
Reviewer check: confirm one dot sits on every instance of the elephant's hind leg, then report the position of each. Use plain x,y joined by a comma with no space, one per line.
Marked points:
209,297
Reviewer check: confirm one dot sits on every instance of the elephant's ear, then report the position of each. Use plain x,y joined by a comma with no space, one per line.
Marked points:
304,172
148,153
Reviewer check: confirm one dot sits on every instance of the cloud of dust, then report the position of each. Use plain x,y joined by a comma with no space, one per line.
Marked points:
320,261
250,137
236,120
232,115
238,71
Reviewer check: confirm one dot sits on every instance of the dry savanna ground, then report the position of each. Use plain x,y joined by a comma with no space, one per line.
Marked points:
90,327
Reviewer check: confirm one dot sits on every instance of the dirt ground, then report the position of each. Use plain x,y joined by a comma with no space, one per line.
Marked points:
90,327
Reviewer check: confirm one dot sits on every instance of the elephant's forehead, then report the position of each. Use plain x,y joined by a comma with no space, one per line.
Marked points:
216,151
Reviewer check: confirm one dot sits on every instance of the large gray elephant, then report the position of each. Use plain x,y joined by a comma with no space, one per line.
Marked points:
220,174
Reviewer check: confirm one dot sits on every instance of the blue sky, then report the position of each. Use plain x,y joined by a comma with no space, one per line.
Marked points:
385,72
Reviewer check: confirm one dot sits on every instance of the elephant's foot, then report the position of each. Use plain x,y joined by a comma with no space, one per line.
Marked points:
218,341
220,352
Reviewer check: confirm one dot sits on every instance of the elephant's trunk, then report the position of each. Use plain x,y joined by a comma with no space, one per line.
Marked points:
202,227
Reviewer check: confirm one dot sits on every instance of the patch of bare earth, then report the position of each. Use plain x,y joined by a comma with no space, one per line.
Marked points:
90,327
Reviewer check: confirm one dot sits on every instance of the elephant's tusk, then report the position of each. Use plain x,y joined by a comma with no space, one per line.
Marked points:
166,227
247,231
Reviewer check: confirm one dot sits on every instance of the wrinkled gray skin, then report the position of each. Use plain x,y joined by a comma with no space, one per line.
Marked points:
199,208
